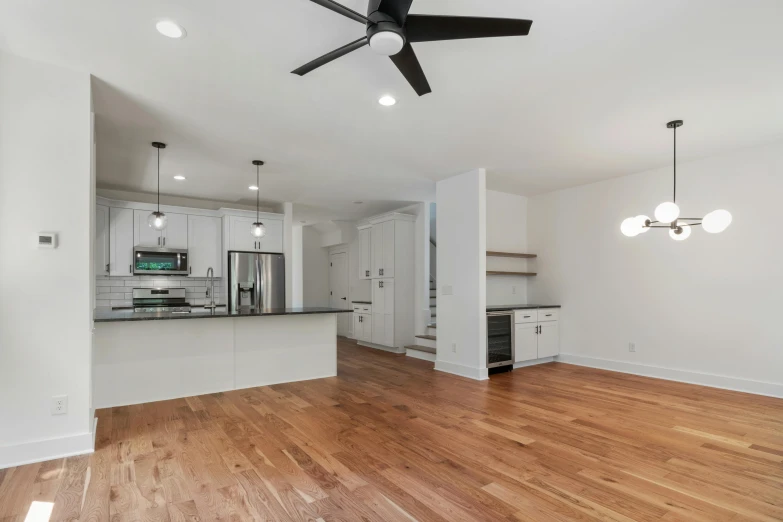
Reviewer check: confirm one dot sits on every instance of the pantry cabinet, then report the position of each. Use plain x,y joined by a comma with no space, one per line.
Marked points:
383,312
383,248
365,253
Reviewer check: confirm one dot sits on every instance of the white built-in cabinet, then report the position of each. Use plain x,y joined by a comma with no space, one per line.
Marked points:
386,253
205,245
102,258
536,334
242,240
121,225
365,249
362,322
175,235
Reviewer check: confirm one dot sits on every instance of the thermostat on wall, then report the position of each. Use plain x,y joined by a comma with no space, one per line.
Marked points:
47,240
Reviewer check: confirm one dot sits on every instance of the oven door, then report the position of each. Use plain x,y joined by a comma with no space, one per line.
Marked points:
160,261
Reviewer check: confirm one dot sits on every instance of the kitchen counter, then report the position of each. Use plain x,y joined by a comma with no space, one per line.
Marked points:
361,302
505,308
126,314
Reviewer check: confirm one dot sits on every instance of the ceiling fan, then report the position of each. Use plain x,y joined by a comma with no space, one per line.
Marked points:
391,30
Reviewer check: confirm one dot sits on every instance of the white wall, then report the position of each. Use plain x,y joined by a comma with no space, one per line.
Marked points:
708,306
507,232
288,251
45,295
315,269
461,232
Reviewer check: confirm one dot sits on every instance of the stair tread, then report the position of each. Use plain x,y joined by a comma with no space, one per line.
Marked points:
432,325
416,347
426,336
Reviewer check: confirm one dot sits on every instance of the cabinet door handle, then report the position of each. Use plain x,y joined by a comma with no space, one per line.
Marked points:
164,241
130,269
367,273
158,240
381,271
107,268
190,271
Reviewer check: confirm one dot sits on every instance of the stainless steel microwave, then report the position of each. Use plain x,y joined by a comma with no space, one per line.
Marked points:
160,261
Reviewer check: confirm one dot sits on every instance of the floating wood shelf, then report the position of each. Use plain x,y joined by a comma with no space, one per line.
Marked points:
511,254
496,272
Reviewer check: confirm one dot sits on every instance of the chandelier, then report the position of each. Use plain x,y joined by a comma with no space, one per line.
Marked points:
667,214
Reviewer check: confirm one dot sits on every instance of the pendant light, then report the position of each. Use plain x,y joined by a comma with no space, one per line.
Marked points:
257,229
157,219
667,214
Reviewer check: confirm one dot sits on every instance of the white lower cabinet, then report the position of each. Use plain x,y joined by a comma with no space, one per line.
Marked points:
538,339
362,327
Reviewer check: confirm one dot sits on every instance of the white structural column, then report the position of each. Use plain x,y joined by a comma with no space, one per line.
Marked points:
422,254
297,266
462,279
288,251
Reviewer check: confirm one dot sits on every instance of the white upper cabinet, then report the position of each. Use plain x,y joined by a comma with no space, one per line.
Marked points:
121,231
383,249
365,256
101,251
204,245
242,240
175,235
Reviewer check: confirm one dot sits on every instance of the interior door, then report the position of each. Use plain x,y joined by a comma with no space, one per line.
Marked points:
101,240
176,233
548,340
338,289
525,342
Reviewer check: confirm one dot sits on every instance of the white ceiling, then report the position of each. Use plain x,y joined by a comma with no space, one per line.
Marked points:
584,97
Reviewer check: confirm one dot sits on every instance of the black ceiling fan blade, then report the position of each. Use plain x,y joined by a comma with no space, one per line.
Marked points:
337,53
397,9
428,28
410,67
341,9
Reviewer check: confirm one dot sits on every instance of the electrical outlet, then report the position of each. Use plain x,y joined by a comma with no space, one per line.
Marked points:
454,347
631,347
60,405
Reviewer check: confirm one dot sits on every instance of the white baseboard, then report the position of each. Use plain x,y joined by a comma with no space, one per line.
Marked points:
477,374
416,354
534,362
47,449
390,349
725,382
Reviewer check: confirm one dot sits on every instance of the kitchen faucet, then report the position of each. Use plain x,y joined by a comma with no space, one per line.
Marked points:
211,291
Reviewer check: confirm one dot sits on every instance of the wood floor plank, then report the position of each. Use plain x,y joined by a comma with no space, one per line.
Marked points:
389,439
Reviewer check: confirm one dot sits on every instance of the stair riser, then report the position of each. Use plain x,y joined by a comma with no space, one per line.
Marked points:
426,342
420,355
432,331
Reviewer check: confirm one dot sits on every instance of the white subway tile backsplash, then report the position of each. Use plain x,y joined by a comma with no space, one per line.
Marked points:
117,291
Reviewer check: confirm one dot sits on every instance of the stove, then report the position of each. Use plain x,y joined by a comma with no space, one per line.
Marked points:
160,300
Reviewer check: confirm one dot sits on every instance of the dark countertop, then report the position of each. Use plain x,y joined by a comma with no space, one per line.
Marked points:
504,308
361,302
117,315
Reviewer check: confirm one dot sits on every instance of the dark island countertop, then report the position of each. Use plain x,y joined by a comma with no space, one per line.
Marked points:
117,315
361,302
505,308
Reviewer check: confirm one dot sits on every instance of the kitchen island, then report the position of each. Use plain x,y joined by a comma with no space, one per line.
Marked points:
146,357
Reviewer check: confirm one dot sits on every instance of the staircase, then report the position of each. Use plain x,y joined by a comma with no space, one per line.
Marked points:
425,344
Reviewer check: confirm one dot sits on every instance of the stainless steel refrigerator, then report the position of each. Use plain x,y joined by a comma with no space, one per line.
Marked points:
255,281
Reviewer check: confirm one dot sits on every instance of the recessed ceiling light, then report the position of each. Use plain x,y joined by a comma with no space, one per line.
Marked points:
387,101
179,178
253,187
170,29
358,202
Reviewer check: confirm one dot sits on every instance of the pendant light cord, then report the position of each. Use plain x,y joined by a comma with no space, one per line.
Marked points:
258,190
674,200
158,181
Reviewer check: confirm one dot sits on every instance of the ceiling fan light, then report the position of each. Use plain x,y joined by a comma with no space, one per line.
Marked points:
716,221
667,212
680,233
386,43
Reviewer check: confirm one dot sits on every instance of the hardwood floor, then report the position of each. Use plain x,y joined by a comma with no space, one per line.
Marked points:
391,439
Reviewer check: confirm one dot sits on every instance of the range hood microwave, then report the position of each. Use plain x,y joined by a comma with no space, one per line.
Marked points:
160,261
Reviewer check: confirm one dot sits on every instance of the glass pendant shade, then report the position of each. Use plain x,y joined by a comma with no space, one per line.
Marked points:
716,221
630,227
157,220
682,236
641,222
667,212
258,230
